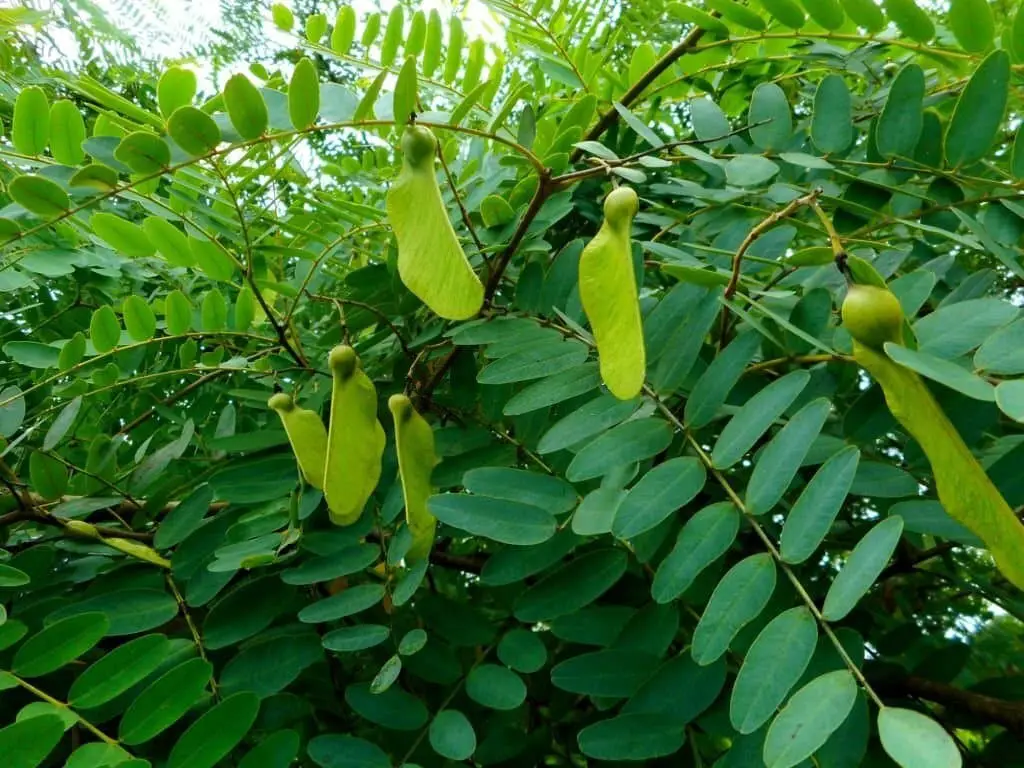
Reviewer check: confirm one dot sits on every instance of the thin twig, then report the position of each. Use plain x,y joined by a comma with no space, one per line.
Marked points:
759,229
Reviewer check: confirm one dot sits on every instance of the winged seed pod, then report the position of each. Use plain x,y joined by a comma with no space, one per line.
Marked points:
873,316
431,262
355,439
416,461
307,436
609,296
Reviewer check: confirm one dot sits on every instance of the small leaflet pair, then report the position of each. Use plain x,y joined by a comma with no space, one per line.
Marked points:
345,463
873,316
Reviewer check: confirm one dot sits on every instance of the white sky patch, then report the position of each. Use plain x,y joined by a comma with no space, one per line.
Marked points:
169,30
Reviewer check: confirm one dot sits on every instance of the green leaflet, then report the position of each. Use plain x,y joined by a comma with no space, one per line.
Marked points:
965,490
608,293
355,442
431,262
416,460
307,436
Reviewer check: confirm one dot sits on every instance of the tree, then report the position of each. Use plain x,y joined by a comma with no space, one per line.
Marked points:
744,563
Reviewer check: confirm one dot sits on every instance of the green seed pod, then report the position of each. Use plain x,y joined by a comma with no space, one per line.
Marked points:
307,436
609,296
355,441
416,461
873,317
431,262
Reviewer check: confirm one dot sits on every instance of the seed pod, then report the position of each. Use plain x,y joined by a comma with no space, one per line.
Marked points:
431,262
416,461
355,441
307,436
609,296
873,316
138,551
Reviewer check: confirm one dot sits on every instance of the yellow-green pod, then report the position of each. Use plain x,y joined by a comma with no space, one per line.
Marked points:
138,551
431,262
416,460
873,317
307,436
355,440
609,296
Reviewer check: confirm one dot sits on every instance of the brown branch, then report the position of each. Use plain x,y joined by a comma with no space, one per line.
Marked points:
37,515
759,229
544,188
191,387
636,90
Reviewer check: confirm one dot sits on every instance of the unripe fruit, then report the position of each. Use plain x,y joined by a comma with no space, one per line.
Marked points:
872,315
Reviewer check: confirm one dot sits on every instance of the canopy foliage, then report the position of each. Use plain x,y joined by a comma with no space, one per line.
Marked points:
745,565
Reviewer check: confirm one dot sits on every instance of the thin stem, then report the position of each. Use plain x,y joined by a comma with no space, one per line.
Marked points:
63,705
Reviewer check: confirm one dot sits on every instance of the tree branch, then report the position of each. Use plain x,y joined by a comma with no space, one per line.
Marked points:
636,90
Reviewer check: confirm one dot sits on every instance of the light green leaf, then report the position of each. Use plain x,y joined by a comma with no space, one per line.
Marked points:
212,737
509,522
245,105
194,131
811,517
452,736
809,718
786,11
620,446
67,132
404,100
770,118
916,741
164,701
58,644
26,743
862,568
548,492
1010,398
495,687
176,88
39,195
943,371
750,170
705,537
30,129
304,94
737,600
902,118
523,651
755,417
912,20
118,670
60,426
978,114
832,129
778,463
122,235
662,491
590,419
772,666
